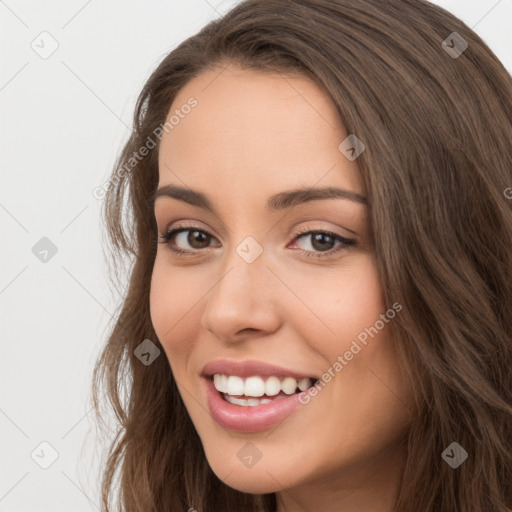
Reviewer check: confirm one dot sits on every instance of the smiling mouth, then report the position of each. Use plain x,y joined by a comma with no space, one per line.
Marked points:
255,390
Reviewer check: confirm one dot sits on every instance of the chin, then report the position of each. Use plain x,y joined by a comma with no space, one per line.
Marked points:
267,475
252,480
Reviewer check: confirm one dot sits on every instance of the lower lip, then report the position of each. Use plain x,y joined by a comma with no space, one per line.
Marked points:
249,418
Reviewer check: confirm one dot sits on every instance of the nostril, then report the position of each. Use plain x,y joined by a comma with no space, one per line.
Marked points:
247,329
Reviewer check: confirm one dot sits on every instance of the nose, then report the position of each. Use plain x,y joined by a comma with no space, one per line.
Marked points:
243,302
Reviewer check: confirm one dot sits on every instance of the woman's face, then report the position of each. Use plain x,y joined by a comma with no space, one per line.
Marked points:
270,279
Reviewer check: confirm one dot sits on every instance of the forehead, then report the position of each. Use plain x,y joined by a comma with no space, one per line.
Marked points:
250,129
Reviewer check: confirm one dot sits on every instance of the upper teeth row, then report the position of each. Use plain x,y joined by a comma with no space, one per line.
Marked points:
256,386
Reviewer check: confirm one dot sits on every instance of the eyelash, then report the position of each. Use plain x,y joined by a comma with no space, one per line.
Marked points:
345,245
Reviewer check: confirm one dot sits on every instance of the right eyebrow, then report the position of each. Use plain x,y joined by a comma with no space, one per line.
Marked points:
279,201
186,195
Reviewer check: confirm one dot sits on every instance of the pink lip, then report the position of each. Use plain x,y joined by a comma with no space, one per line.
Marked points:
249,369
248,419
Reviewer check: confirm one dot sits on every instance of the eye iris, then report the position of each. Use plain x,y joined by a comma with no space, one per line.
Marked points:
193,236
321,239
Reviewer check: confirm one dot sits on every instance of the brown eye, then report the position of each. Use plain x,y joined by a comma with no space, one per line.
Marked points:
187,239
322,243
197,239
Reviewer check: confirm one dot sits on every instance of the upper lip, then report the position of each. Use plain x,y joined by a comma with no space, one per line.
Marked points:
249,368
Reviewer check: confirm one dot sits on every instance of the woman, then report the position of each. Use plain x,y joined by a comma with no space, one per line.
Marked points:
319,308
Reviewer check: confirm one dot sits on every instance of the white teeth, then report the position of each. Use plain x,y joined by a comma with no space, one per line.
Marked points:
289,385
254,386
218,381
224,383
249,402
237,401
235,385
272,386
304,384
257,386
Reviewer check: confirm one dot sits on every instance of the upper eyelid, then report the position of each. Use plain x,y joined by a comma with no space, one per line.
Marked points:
224,228
297,233
161,215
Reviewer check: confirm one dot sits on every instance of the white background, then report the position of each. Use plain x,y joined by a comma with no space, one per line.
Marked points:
63,121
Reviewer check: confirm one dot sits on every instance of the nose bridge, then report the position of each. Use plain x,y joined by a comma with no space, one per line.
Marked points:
243,278
241,296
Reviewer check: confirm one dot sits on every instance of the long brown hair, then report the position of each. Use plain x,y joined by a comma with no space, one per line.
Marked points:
437,127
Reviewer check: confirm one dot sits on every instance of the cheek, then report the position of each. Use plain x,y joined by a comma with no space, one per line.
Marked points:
365,395
340,303
350,329
173,301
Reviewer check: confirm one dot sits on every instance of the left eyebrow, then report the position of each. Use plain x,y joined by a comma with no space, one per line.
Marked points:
279,201
292,198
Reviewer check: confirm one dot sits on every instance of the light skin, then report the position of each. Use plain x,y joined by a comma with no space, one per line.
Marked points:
253,135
